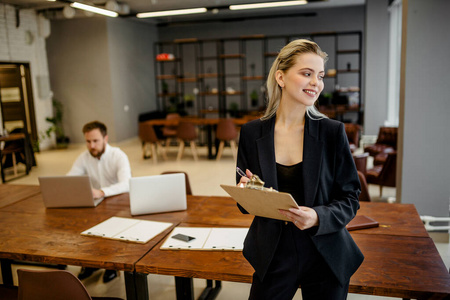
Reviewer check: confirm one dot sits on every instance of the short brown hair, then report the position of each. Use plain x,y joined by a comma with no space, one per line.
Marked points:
95,125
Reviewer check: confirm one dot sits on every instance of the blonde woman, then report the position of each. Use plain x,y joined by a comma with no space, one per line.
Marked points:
296,149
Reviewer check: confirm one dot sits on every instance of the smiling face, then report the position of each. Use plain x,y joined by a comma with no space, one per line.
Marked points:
303,82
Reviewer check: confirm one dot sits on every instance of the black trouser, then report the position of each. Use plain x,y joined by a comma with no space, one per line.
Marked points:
297,262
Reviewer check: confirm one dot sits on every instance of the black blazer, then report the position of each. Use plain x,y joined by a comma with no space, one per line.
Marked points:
331,188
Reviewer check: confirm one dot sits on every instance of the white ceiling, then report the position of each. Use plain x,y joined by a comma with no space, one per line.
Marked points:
137,6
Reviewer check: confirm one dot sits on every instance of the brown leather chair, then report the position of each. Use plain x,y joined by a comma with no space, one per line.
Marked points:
186,132
148,137
226,132
386,143
385,174
361,162
364,196
170,131
352,131
52,284
188,185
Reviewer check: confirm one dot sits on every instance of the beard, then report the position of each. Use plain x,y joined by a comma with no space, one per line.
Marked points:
97,154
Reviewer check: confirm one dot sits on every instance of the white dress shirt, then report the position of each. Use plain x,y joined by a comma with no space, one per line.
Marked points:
110,173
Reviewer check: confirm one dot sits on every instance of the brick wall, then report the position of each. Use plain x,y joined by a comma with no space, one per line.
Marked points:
25,43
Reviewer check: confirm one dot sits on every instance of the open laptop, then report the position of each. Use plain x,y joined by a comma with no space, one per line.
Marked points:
67,191
157,194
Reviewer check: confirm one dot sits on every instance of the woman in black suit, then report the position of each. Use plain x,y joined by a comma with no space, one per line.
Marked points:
296,149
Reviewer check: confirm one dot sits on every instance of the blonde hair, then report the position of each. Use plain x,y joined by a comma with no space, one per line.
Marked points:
285,60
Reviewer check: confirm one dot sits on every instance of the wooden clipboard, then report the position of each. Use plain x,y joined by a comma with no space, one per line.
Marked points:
263,203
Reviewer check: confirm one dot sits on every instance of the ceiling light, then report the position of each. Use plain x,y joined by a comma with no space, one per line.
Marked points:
267,4
94,9
172,12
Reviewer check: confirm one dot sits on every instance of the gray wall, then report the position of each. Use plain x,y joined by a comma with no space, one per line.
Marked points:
425,169
376,63
99,65
79,71
131,61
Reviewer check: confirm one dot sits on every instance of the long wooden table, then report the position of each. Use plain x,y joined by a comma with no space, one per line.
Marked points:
32,233
400,258
10,193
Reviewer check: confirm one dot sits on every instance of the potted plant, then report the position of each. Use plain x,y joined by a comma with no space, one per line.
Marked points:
56,126
254,98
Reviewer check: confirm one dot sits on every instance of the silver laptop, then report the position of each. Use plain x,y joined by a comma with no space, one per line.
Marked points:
67,191
157,194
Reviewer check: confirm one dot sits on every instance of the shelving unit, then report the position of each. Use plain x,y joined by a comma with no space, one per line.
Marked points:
223,77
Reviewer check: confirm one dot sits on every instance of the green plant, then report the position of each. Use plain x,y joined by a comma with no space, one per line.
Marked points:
56,126
254,98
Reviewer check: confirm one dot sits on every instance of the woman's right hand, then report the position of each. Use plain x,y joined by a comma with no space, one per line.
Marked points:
244,179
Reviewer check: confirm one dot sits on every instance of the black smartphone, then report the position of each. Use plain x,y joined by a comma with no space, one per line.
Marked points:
183,237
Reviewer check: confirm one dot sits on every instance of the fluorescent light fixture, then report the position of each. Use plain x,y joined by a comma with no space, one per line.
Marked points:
267,4
94,9
172,12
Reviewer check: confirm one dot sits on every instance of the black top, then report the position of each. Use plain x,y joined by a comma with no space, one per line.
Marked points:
290,180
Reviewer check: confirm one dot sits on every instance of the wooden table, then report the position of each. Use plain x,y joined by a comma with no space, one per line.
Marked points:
401,260
13,193
30,232
207,122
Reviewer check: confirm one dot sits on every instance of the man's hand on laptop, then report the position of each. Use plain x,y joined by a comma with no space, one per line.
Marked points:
98,194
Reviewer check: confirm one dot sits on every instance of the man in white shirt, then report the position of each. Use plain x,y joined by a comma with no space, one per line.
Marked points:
107,167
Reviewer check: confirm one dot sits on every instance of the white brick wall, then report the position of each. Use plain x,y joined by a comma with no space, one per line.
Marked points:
15,46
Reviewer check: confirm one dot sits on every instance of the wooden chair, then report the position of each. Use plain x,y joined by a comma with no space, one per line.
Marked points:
226,132
186,133
188,185
9,292
364,196
148,137
170,131
13,149
52,284
385,174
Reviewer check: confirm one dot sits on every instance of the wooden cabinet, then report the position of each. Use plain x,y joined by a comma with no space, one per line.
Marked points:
223,77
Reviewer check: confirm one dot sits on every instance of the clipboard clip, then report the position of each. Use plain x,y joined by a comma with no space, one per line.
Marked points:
257,184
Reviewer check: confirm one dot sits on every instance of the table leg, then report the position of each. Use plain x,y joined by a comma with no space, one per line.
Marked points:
184,288
141,286
209,141
6,271
210,292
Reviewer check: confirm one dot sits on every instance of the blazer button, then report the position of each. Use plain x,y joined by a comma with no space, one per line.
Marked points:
285,222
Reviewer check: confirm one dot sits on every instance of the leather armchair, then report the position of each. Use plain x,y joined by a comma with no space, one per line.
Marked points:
352,131
386,143
385,174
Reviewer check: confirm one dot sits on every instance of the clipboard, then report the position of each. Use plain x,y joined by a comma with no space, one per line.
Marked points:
261,202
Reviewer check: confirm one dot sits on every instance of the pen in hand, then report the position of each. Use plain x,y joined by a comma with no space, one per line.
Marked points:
240,172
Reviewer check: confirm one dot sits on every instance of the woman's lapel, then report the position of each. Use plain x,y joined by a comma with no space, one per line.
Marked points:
312,160
266,153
